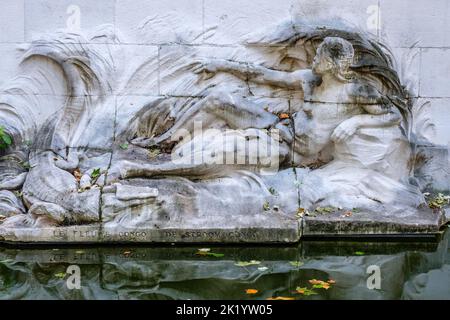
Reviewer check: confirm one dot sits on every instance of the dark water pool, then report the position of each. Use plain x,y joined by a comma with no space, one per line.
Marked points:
400,270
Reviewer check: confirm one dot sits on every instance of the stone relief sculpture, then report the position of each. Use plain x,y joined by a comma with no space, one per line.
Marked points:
319,122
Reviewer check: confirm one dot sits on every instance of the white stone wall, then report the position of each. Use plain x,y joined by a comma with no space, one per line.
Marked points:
418,32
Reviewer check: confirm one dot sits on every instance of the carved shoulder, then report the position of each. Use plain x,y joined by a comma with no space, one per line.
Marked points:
306,79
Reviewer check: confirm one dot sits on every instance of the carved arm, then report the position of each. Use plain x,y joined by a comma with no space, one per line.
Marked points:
254,73
380,113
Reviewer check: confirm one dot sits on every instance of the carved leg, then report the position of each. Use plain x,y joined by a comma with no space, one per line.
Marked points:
236,112
132,170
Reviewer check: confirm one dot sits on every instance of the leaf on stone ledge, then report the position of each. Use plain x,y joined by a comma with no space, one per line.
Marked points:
77,174
324,210
347,214
439,201
281,298
96,173
283,116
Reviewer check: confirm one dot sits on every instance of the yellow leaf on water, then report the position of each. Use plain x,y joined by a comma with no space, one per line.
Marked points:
325,285
251,291
305,291
319,284
281,298
315,281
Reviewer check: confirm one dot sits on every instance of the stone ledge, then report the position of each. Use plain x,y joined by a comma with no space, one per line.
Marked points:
425,224
96,233
422,223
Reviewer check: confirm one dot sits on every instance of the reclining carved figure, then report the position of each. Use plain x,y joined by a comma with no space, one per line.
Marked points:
336,105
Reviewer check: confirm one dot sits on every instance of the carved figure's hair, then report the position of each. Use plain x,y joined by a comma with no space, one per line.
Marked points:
340,52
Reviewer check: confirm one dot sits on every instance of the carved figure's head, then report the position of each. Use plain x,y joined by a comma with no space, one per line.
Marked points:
334,55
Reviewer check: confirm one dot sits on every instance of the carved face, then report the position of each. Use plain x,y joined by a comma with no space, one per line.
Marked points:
334,55
322,64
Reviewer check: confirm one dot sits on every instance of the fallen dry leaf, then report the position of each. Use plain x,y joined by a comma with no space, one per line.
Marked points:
347,214
325,286
305,291
281,298
319,284
315,281
77,174
251,291
283,116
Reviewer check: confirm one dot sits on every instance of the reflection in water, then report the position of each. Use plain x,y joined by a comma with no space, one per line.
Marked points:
408,271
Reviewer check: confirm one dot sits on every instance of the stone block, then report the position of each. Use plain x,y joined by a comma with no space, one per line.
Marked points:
423,23
235,20
42,16
9,63
435,73
157,22
12,21
137,70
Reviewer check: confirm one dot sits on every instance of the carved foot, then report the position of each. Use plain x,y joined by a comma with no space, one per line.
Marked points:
118,198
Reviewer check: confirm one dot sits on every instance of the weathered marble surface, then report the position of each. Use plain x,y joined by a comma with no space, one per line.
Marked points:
93,125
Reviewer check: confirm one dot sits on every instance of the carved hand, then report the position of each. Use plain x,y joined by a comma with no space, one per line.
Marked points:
345,130
208,66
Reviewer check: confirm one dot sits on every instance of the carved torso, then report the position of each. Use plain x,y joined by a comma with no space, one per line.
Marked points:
324,108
